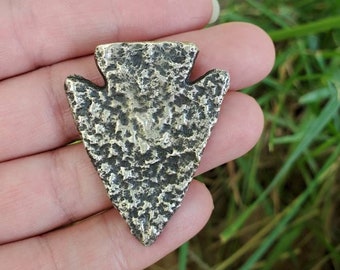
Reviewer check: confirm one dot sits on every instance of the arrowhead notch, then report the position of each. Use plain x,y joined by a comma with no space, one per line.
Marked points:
146,129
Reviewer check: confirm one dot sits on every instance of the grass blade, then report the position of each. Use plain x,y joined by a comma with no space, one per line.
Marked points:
306,29
183,256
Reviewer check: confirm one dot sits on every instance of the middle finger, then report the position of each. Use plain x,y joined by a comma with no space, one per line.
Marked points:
35,113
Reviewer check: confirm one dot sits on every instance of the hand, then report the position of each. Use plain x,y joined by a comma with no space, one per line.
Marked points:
45,185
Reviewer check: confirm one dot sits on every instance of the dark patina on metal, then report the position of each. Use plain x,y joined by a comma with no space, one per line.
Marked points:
146,129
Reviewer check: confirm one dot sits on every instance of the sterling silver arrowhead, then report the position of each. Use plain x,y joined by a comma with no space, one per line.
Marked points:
146,129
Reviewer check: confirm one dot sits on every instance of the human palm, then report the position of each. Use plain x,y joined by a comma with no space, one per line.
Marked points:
54,210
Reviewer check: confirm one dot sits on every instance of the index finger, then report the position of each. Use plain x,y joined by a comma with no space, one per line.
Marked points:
33,34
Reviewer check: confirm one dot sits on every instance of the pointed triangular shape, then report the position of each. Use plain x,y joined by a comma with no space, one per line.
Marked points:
146,129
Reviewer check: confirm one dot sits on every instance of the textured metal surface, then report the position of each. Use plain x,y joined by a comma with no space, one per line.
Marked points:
146,129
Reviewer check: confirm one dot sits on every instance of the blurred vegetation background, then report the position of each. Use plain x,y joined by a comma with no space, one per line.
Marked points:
278,207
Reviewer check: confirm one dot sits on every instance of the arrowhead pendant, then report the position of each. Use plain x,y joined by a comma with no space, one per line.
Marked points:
146,129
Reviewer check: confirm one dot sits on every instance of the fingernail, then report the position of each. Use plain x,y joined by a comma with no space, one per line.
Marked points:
215,11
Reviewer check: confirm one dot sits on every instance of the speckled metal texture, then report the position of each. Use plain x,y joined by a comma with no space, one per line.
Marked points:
146,129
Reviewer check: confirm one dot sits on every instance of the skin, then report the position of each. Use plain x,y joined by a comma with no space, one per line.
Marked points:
45,186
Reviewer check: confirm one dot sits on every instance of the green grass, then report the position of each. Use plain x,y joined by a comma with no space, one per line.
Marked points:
278,207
